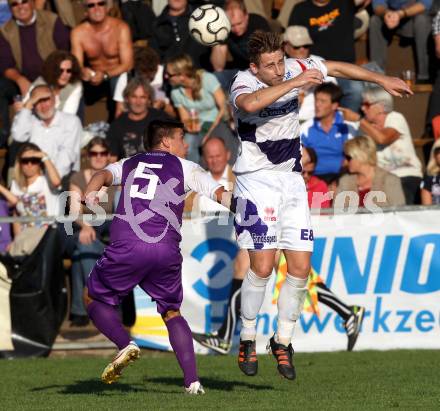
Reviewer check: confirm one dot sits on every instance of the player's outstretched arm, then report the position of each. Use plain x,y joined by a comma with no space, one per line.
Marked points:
257,100
395,86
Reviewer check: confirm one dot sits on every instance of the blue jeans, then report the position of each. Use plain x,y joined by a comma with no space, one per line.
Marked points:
83,260
194,141
352,90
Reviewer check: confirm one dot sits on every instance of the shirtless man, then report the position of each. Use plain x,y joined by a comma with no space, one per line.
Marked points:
105,42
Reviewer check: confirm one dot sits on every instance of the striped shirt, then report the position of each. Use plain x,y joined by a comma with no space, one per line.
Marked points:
270,137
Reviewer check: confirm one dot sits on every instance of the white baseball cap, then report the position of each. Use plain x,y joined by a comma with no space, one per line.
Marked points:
298,36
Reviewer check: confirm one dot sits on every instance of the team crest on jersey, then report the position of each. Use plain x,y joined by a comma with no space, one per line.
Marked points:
290,106
269,214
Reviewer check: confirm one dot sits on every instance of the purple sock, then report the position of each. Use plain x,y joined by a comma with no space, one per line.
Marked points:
182,343
106,319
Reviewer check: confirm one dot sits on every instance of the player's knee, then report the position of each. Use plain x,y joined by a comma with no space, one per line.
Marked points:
300,269
262,269
170,314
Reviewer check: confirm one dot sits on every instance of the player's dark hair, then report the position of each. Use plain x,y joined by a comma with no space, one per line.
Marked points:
158,130
263,42
312,154
331,89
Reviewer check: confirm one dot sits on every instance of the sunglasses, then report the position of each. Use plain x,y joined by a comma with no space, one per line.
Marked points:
17,3
170,75
98,153
301,47
97,4
62,70
367,104
348,157
30,160
307,173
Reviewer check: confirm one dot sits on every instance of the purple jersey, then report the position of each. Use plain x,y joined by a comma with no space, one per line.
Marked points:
154,185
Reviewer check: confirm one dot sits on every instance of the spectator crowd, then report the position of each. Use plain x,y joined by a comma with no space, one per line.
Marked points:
59,59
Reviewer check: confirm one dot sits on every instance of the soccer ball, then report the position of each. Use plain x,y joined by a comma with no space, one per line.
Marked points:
209,25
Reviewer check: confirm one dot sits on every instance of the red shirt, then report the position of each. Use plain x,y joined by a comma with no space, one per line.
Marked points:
316,185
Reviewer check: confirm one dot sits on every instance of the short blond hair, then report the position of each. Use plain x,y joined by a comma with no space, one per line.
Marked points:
362,149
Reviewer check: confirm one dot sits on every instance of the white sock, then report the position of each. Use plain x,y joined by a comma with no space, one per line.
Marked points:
252,296
290,304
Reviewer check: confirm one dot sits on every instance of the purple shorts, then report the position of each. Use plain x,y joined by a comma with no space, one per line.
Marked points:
156,268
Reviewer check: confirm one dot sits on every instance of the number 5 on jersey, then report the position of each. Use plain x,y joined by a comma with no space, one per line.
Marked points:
153,180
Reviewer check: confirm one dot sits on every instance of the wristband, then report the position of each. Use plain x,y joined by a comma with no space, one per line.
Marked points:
106,76
45,158
405,15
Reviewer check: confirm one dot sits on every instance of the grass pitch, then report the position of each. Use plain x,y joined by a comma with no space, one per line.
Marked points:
359,380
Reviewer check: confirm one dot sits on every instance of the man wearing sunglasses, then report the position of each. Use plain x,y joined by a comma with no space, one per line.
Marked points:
25,42
105,43
297,45
332,24
58,134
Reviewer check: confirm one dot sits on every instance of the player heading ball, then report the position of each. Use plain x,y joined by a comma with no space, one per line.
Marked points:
264,100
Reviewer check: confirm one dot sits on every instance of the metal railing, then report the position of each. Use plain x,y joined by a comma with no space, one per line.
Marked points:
187,215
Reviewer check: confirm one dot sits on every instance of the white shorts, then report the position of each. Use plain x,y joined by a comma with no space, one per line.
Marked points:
272,211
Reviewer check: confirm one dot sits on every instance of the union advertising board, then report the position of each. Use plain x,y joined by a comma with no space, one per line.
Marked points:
389,263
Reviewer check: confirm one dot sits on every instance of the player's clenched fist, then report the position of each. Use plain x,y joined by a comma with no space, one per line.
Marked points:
309,77
90,199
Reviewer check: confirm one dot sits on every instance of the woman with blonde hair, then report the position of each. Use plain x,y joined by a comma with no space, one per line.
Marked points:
390,131
366,177
201,105
34,193
430,187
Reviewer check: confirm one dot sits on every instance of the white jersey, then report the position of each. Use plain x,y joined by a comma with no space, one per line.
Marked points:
270,137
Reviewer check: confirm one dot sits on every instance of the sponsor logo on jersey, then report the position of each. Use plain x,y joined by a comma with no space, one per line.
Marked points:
263,238
290,106
269,214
